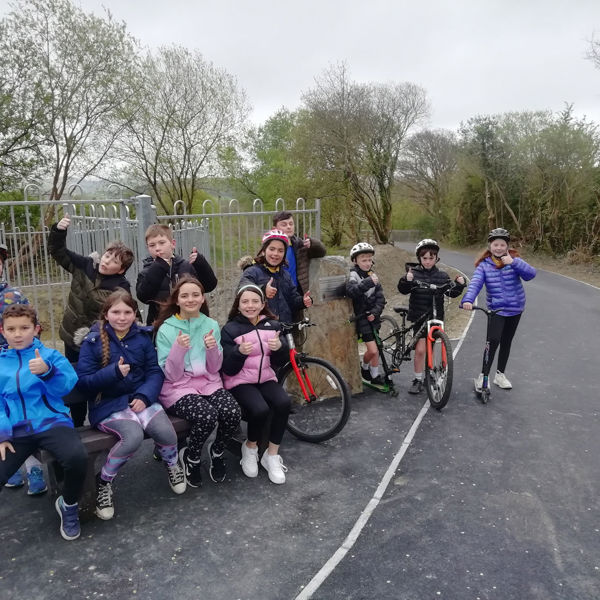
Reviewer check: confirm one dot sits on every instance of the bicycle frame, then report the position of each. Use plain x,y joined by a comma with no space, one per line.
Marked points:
302,376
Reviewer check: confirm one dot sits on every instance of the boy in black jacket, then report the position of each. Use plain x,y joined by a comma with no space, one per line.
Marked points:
162,269
427,251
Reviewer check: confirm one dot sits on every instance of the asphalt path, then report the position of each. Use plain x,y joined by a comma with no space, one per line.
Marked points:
497,501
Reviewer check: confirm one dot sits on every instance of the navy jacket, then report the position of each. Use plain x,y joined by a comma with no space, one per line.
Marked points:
106,388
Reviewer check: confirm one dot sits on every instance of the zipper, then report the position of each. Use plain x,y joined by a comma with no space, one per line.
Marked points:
262,353
45,401
23,407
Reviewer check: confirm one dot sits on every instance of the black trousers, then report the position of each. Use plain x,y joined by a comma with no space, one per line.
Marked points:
500,332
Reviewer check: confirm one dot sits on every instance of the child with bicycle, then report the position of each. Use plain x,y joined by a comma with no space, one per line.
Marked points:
251,343
419,303
368,302
502,271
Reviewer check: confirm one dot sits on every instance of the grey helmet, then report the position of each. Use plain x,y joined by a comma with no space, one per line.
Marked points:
499,234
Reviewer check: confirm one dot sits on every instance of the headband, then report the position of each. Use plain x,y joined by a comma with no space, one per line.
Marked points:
253,288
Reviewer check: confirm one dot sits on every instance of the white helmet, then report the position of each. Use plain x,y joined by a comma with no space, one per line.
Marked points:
427,243
361,248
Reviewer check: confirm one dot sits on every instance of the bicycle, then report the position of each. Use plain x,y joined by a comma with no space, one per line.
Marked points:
320,396
397,342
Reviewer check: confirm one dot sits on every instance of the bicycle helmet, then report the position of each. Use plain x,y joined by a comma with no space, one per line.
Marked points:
361,248
275,234
427,243
499,233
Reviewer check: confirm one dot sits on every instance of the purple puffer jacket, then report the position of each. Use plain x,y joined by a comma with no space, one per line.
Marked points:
503,286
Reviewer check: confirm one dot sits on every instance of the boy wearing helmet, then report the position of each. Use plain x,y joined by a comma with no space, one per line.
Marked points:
267,272
427,252
501,270
368,301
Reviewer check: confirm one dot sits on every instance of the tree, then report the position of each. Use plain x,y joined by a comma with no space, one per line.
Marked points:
185,110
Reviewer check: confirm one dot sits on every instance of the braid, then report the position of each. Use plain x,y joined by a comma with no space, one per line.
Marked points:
105,343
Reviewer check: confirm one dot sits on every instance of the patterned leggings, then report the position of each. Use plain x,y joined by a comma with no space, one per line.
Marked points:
203,413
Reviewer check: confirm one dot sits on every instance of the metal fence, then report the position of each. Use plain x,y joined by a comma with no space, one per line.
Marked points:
222,232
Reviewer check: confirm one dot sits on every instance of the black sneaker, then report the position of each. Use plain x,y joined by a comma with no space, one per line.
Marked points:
416,387
365,374
218,468
156,455
193,475
379,380
105,508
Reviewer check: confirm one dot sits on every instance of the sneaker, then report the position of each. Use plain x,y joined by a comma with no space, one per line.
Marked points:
274,466
501,381
16,480
69,519
379,380
177,478
105,508
365,374
217,469
249,460
191,468
479,383
37,485
416,386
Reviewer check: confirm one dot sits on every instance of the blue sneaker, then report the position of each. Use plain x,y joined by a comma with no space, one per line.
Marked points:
69,519
15,481
37,485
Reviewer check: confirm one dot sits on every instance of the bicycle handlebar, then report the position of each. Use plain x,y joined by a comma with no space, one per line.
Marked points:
300,325
489,313
433,287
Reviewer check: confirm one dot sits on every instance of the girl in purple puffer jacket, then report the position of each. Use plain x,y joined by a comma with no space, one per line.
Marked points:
251,339
501,270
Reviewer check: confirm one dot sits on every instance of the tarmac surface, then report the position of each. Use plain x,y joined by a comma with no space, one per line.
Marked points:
484,502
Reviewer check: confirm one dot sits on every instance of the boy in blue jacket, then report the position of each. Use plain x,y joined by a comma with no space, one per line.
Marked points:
33,380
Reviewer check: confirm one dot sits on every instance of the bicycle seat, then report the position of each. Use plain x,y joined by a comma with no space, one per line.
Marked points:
401,310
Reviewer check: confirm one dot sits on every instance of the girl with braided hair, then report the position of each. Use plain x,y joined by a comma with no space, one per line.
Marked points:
118,370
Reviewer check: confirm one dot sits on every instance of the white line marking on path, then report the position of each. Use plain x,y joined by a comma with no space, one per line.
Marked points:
315,583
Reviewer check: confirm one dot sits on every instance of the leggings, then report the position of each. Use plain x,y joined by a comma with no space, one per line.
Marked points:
204,413
65,444
129,427
257,400
500,332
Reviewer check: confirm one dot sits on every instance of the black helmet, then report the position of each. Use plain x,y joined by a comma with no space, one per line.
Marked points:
499,234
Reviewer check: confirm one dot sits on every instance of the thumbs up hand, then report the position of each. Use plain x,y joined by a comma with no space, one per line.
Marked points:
37,365
374,278
306,241
209,340
409,275
64,223
307,299
245,347
270,290
183,339
274,343
193,255
123,367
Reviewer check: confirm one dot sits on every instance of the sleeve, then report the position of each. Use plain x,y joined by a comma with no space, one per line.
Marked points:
205,274
5,424
93,377
214,356
379,305
456,290
170,356
356,287
61,377
405,286
57,247
524,270
316,249
233,359
150,279
293,297
475,285
153,376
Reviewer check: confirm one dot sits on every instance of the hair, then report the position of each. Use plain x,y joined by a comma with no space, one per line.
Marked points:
157,230
486,253
122,252
427,249
282,215
260,257
20,310
250,287
116,297
169,307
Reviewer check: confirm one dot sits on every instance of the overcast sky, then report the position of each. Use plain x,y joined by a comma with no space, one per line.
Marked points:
471,56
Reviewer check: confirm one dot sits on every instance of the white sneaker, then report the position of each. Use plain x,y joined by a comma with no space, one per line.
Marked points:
479,383
501,381
249,460
273,463
177,478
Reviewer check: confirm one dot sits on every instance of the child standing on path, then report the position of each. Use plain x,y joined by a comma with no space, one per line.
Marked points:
91,284
419,303
190,354
368,301
33,380
501,270
162,269
119,372
250,338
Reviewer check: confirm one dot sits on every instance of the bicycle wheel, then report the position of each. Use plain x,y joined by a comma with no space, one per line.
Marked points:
327,410
438,377
388,337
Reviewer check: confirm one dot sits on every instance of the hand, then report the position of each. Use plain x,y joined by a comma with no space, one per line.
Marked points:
123,367
270,291
409,276
370,317
209,340
374,278
4,446
507,259
64,223
460,279
193,255
37,365
137,405
245,347
306,241
183,339
307,299
467,305
274,343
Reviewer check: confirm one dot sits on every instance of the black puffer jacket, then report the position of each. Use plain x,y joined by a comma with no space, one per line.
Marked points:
420,298
367,298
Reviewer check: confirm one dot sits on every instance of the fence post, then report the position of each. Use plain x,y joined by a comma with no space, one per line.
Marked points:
145,218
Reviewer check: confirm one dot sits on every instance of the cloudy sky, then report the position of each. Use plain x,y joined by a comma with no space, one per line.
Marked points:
471,56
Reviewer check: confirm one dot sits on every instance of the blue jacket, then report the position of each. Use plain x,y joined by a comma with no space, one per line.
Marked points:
503,286
33,403
286,301
108,391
